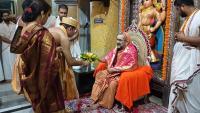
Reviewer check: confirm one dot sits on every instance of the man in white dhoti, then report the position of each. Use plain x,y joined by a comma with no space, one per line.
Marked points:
7,29
185,69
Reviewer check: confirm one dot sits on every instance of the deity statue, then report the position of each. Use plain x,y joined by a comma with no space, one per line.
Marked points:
151,15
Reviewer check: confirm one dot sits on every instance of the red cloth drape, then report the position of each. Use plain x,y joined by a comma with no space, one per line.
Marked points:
133,84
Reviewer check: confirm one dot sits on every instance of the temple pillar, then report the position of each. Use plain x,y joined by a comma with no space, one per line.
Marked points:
104,26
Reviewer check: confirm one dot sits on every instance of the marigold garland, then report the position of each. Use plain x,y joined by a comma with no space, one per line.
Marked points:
166,41
122,15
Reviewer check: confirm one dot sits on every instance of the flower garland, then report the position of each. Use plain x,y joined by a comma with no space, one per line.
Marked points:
166,40
122,15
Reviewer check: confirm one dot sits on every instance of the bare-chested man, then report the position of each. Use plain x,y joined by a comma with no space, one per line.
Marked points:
61,34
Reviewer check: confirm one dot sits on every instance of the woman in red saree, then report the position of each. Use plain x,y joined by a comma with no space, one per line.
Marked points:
39,66
122,58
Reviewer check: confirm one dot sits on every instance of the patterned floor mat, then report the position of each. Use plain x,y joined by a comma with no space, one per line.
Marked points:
80,106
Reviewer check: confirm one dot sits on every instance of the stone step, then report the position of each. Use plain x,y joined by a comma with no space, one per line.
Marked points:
10,101
16,108
12,97
13,100
28,110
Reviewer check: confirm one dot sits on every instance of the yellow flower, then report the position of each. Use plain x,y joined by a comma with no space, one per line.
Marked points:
90,57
